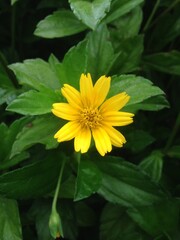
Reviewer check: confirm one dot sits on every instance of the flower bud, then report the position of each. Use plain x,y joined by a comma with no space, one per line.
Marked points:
55,225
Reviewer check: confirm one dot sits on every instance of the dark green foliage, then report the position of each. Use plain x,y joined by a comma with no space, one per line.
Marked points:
133,192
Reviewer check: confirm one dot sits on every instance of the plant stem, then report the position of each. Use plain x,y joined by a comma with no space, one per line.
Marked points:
151,15
173,134
77,156
58,185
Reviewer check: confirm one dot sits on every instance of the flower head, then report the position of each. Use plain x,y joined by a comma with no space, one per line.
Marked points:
89,115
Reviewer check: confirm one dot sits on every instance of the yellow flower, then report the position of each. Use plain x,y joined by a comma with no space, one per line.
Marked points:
89,115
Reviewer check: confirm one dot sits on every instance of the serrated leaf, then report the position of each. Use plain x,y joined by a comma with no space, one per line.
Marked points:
120,8
155,103
157,218
10,226
126,26
41,130
129,54
36,73
100,53
94,55
90,12
125,184
138,88
88,180
73,65
34,180
60,24
34,103
168,62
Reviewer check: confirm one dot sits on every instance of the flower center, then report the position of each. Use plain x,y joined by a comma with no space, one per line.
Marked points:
90,117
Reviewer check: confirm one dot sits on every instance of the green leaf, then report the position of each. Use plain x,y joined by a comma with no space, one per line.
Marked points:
127,26
36,73
94,55
34,103
41,130
155,103
160,36
120,8
42,211
33,180
88,180
60,24
5,80
7,90
152,165
10,226
138,88
129,53
164,62
68,217
8,136
100,53
73,65
174,151
158,218
125,184
7,95
137,140
90,12
10,162
116,224
67,189
4,146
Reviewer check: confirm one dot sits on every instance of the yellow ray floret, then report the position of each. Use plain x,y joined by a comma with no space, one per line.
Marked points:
91,116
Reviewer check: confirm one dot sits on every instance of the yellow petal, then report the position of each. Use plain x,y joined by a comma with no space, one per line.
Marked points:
86,89
65,111
72,95
68,131
83,140
115,118
102,141
101,89
115,103
117,139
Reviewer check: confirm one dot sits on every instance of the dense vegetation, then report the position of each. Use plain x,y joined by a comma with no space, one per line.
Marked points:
133,192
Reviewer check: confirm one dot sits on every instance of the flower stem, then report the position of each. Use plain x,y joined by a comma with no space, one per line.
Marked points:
55,225
173,134
151,15
58,184
77,156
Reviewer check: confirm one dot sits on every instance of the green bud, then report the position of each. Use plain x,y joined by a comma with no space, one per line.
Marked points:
55,226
